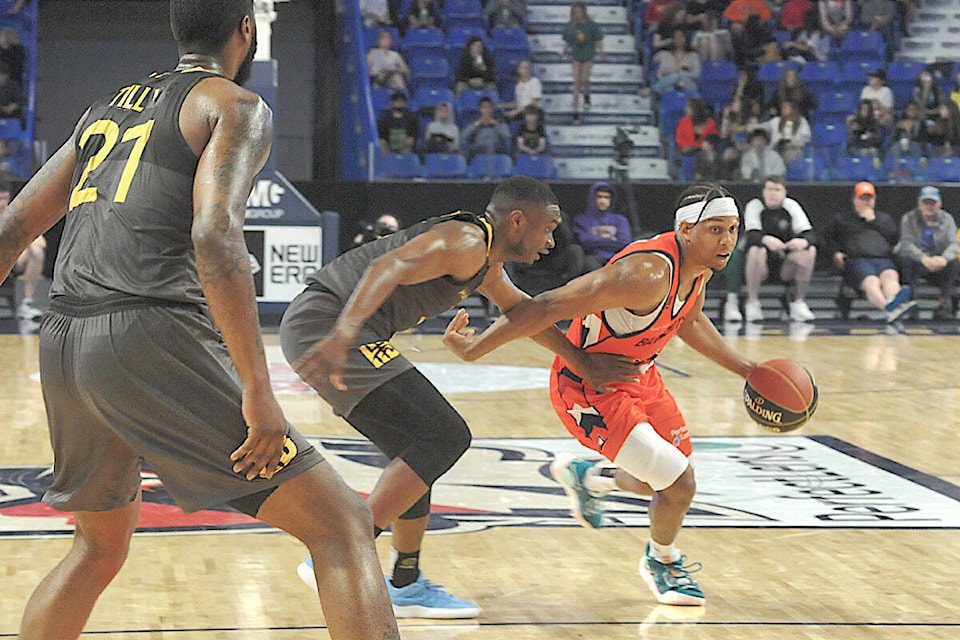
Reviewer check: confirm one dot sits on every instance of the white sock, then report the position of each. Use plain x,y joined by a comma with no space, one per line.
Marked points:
663,551
597,482
733,297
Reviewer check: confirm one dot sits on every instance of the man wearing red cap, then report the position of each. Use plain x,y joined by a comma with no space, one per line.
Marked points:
861,244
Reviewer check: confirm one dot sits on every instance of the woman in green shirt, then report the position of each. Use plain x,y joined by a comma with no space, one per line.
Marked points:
582,39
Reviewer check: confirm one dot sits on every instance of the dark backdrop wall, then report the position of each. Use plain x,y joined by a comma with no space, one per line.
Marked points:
88,47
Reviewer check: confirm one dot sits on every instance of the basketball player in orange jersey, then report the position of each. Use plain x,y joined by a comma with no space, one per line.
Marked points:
647,293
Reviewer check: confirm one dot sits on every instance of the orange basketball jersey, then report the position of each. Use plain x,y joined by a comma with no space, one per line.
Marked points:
603,421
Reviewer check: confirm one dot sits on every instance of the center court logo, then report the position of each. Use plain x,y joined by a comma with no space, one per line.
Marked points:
767,481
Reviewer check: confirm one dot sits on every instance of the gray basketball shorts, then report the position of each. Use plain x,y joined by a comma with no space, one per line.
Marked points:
371,360
152,382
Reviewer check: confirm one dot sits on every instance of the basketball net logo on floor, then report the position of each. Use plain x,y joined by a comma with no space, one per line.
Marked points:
762,481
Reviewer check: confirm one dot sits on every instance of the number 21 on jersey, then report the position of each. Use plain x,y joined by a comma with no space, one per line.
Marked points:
110,131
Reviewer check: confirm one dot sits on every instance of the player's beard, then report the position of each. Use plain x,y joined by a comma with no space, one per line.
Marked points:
246,67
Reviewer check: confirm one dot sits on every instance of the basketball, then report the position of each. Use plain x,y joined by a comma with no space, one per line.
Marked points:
780,395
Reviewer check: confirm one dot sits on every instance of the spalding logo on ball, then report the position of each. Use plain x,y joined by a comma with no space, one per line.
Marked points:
780,395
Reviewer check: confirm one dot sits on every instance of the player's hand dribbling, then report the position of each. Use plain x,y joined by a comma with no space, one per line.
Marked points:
266,430
457,337
324,363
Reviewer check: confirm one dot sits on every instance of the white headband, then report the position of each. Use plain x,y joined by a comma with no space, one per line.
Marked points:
716,208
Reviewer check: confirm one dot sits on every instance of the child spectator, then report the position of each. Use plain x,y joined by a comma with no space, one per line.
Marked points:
422,15
487,134
505,14
927,96
387,68
531,136
527,92
759,160
442,134
789,132
692,130
398,128
943,136
881,96
677,68
791,89
864,134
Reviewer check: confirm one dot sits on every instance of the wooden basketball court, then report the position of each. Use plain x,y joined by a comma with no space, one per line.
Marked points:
894,398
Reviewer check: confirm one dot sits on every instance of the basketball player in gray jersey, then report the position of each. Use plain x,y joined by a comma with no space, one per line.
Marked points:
152,345
336,334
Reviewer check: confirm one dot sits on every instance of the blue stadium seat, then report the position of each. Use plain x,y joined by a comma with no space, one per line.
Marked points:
426,100
423,43
943,169
430,73
770,73
454,8
717,80
834,107
503,39
671,109
854,169
541,167
904,169
465,22
486,166
505,63
853,75
399,165
381,98
819,77
801,170
864,46
827,143
444,165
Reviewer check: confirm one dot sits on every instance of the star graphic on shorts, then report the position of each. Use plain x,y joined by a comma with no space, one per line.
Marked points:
587,418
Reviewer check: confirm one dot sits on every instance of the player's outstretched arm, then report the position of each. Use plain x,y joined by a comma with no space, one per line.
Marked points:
452,248
701,334
38,206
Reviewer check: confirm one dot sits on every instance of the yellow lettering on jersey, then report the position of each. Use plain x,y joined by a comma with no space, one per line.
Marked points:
289,453
378,353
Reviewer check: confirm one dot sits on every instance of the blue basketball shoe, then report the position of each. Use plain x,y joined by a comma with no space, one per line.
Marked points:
586,505
424,599
670,582
421,599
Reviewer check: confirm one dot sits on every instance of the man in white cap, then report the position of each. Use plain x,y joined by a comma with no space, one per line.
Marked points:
646,293
928,249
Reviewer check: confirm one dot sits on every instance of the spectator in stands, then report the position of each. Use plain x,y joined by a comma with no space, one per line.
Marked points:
749,90
943,136
696,124
476,68
712,41
531,136
809,43
564,263
653,13
712,163
864,133
387,67
383,226
753,42
442,134
861,244
12,53
599,230
792,14
583,40
11,96
375,13
877,92
927,96
928,249
780,240
909,137
505,14
674,19
879,15
760,160
398,129
29,264
422,14
527,92
738,11
735,127
791,89
487,134
836,18
678,68
789,132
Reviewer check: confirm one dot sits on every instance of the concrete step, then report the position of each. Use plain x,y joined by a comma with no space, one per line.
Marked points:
547,47
571,168
609,77
607,108
553,18
597,140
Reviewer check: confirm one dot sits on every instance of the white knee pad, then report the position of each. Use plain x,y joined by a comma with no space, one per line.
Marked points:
648,457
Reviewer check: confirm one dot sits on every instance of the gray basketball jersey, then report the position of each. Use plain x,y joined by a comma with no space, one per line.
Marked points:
408,305
127,228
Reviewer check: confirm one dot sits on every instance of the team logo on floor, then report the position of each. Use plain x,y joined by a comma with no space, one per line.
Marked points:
766,481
